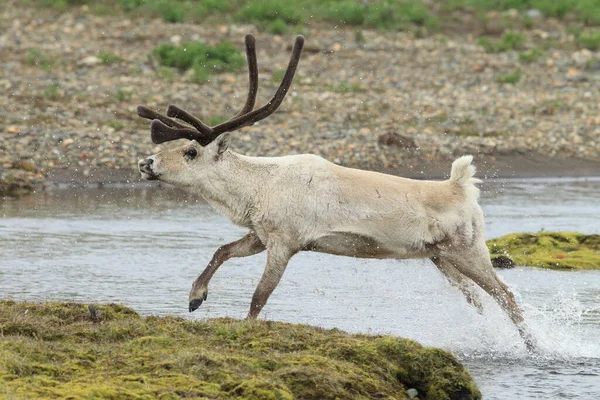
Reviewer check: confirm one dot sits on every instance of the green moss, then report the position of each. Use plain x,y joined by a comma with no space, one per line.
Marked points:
555,250
69,350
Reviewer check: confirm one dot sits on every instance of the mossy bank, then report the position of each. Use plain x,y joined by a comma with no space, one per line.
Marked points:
555,250
66,350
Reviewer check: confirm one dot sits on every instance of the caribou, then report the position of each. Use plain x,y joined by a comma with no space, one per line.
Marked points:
303,202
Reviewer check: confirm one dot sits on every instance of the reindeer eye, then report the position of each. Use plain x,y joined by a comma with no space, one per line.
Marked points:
191,153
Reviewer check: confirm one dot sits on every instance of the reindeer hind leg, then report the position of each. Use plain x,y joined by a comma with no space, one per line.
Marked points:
460,281
475,263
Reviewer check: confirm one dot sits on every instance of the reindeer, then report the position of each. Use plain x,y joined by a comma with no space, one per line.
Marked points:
305,203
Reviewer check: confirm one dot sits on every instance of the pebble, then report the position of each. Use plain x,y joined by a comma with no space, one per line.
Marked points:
89,61
440,94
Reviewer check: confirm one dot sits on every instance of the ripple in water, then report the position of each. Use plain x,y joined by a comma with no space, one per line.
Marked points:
144,248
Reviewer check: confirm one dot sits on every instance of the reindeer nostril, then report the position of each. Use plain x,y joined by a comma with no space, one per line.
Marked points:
145,162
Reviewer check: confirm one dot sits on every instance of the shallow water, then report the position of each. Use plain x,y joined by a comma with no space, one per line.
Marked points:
144,247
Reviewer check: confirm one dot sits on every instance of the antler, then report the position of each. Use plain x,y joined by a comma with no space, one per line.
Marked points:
164,129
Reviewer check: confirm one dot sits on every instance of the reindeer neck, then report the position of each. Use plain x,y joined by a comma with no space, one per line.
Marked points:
233,187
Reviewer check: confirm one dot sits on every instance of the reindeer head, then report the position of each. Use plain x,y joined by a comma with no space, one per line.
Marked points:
182,166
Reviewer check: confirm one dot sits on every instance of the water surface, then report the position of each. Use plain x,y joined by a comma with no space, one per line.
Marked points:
144,247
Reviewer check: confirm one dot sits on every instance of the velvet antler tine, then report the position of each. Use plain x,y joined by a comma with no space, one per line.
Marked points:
161,133
176,112
145,112
266,110
252,76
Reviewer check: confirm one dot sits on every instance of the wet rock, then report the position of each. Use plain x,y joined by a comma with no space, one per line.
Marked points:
503,262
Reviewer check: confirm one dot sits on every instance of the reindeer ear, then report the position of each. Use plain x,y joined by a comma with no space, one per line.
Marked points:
223,142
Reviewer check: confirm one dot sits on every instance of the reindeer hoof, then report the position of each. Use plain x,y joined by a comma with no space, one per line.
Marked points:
194,304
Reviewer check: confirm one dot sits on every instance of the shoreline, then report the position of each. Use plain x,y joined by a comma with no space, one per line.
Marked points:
488,167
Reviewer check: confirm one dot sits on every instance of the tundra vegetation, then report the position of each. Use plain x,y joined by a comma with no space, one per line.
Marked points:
276,15
69,350
554,250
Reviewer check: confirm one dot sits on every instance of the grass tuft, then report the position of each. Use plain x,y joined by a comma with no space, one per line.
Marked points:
509,41
510,78
345,87
531,55
589,40
201,58
38,58
109,58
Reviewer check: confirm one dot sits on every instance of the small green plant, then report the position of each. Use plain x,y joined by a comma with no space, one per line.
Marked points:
359,37
52,91
345,87
123,95
277,76
166,73
511,78
277,27
589,40
509,41
103,10
554,8
116,124
172,12
201,58
548,107
39,59
109,58
216,120
264,11
383,14
531,55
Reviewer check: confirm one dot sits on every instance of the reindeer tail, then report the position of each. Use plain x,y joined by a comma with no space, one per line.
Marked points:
463,172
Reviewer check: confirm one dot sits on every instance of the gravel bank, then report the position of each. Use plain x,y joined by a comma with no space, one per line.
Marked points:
431,98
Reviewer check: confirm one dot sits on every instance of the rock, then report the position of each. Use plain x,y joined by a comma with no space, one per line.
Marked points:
534,13
554,250
397,140
24,165
503,262
89,61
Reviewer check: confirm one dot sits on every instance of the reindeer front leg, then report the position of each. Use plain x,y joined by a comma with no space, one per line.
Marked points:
246,246
277,259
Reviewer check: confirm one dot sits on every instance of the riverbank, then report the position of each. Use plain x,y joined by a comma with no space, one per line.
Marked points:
15,182
398,102
552,250
52,350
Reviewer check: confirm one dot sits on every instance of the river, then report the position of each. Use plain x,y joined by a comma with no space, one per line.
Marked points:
143,247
